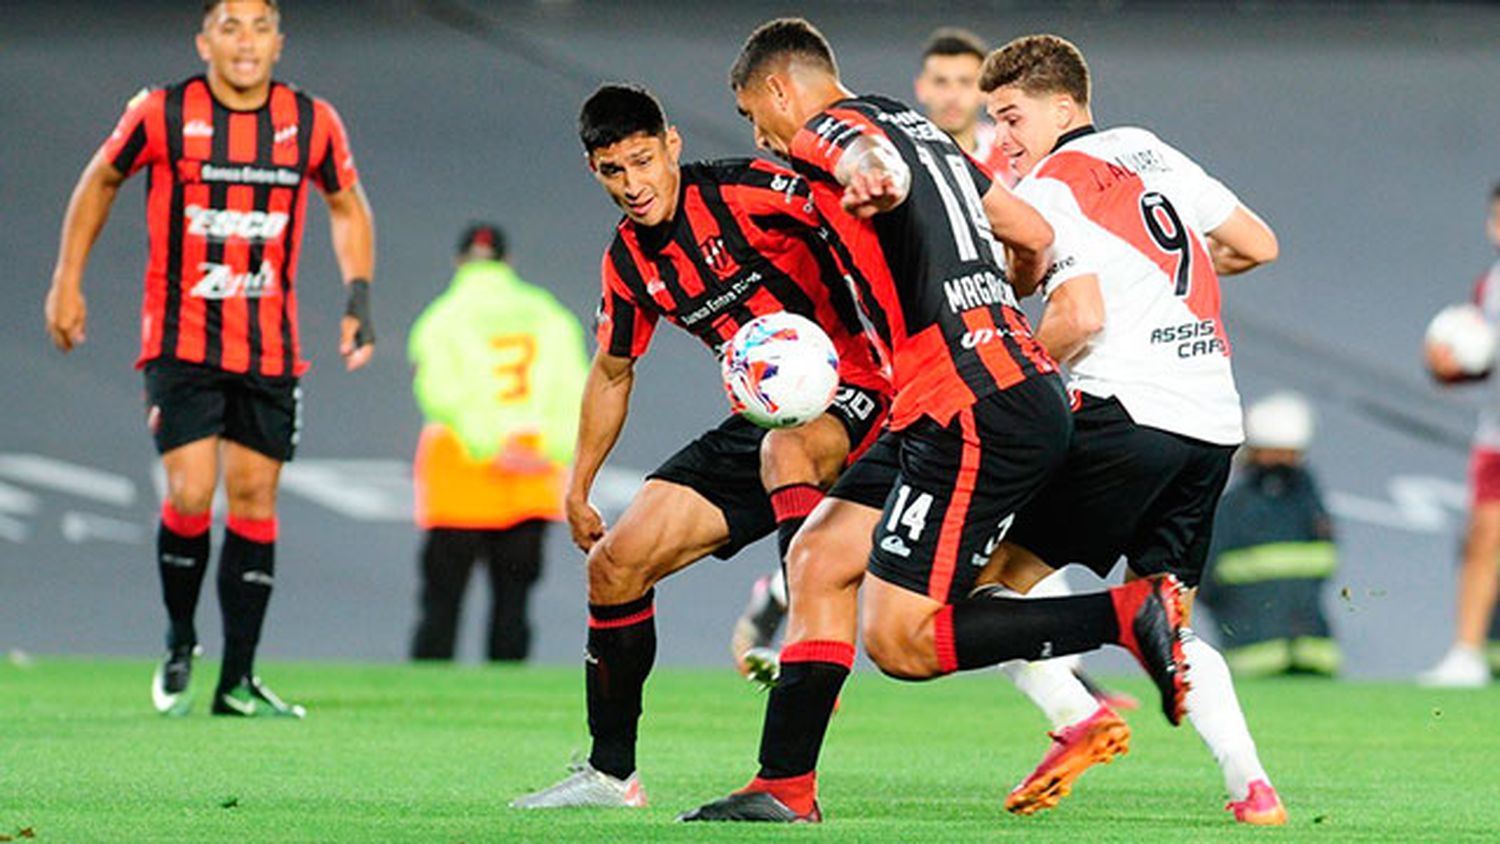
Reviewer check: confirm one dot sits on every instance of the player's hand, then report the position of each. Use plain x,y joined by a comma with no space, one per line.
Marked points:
585,521
1443,365
869,193
67,315
355,354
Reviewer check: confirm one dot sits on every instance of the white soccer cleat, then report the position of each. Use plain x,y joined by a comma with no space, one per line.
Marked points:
587,787
171,692
1461,668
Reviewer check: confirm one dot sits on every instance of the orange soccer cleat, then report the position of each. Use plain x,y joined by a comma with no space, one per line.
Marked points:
1095,740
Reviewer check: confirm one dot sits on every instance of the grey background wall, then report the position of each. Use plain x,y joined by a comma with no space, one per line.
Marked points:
1367,134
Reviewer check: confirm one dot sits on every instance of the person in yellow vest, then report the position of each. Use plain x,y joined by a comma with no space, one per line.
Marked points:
500,366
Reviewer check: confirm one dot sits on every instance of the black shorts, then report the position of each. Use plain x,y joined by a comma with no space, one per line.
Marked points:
186,402
960,486
723,464
869,479
1144,493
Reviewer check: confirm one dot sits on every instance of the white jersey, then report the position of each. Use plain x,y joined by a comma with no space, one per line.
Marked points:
1487,297
1134,212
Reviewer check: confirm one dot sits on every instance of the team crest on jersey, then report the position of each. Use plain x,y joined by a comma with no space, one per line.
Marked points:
717,256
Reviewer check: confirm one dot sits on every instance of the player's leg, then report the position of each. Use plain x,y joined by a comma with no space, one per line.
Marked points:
666,527
1464,664
825,566
182,549
261,426
958,493
185,413
447,560
797,464
1175,537
515,563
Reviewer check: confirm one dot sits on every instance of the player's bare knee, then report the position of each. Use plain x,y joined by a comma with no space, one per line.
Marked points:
898,653
614,577
190,494
251,498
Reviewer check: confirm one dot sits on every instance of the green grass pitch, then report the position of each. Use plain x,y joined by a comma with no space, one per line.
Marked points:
433,754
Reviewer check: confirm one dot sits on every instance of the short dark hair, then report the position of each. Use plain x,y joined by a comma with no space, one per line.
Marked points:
480,236
790,38
953,41
1038,64
210,5
615,111
1495,193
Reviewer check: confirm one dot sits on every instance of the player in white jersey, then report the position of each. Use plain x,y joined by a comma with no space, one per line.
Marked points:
1464,664
1142,236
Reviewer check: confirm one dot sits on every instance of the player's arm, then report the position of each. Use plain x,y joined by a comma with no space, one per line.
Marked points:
1025,234
1242,242
1075,313
874,176
88,209
601,418
353,229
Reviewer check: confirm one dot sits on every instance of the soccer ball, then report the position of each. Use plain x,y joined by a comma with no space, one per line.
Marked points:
1464,331
780,370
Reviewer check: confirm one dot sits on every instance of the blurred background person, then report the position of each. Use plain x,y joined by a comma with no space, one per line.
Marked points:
1478,579
500,366
947,89
1273,551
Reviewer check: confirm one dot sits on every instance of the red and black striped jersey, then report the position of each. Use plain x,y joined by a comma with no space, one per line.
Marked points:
745,241
225,201
929,274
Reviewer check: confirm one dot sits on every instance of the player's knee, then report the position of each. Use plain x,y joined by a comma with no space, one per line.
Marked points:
191,495
899,653
785,459
252,498
615,576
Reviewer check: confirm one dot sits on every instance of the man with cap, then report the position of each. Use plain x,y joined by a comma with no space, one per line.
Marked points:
499,371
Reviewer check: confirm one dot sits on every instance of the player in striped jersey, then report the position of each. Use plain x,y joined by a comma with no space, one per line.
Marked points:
1133,310
978,424
229,156
707,246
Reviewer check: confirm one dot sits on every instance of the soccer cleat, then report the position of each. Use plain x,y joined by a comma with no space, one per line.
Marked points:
1095,740
1112,698
171,682
586,786
253,699
756,627
762,667
1261,807
756,806
1461,668
1150,616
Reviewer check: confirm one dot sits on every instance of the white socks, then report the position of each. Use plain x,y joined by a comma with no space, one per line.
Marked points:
1050,685
1214,710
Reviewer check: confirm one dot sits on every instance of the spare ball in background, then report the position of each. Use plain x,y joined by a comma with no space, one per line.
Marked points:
1467,335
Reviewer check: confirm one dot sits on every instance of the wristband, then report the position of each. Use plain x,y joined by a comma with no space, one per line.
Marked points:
358,307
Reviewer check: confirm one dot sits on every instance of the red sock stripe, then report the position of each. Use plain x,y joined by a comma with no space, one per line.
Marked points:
942,640
624,621
194,525
799,793
819,650
795,501
255,530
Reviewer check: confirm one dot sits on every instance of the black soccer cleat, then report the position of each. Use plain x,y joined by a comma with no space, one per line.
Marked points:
1150,616
172,679
753,806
